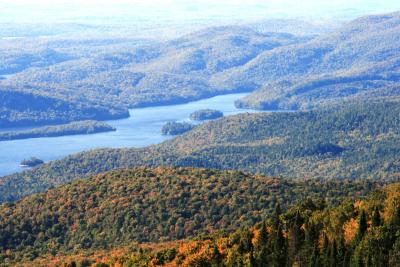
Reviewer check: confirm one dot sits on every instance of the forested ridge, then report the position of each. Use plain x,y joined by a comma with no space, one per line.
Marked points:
358,232
356,141
282,70
21,108
80,127
119,208
121,73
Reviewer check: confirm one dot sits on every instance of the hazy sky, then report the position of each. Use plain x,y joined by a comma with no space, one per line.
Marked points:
42,10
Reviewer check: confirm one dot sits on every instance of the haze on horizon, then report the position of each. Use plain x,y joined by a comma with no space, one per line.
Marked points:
103,11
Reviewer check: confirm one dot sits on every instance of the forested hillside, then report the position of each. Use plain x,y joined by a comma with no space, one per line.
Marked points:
127,74
73,128
286,71
19,108
355,141
360,60
120,208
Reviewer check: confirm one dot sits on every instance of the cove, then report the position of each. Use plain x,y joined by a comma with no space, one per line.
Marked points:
142,128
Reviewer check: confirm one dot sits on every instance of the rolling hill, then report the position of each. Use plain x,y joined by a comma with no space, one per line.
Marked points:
170,72
122,207
355,233
19,108
358,60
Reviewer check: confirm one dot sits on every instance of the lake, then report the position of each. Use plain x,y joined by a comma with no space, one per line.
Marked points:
141,129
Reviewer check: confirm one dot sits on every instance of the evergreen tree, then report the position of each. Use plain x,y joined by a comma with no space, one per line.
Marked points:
261,250
362,226
252,260
217,258
315,258
376,218
245,244
262,257
276,217
395,221
325,251
311,235
262,238
278,249
333,255
295,238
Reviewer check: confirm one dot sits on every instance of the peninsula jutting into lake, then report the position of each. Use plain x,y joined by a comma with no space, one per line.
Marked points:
73,128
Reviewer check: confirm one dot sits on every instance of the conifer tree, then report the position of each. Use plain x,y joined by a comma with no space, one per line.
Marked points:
278,249
362,226
261,251
217,258
376,218
333,255
262,238
245,244
395,221
315,258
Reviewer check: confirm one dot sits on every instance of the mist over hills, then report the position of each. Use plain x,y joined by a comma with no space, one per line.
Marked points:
285,71
334,138
174,71
357,61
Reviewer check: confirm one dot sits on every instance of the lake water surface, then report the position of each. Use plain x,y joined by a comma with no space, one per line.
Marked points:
143,128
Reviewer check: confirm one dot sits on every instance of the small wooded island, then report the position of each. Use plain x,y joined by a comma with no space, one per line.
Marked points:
175,128
206,114
73,128
32,162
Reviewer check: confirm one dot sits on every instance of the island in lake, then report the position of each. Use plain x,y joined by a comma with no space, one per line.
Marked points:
73,128
175,128
32,162
206,114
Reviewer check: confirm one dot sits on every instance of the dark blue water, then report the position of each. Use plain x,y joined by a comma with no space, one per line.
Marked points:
143,128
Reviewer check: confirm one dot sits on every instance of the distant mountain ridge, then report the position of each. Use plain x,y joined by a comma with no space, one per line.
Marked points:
170,72
359,60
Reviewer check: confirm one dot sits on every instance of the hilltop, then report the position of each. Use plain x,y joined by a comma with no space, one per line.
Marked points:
119,208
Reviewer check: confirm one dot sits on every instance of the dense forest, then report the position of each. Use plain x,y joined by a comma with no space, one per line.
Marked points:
175,128
354,141
119,208
120,73
80,127
349,62
20,108
206,114
31,162
283,70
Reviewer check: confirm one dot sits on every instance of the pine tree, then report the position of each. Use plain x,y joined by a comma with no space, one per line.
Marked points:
217,258
395,221
315,258
245,244
295,238
278,249
376,218
262,238
325,251
261,251
333,255
311,235
362,226
262,257
276,217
